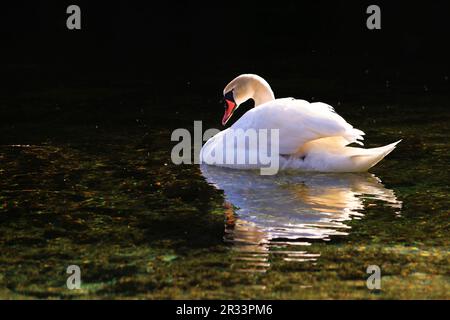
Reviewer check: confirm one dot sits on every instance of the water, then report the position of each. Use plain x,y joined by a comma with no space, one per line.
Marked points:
86,179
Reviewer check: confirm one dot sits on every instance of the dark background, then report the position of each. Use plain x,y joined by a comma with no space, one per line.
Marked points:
167,45
200,36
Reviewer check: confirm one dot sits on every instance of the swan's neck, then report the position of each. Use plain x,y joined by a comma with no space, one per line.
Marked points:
262,92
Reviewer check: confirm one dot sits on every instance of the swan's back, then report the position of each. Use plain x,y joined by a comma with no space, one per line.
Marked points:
312,137
298,122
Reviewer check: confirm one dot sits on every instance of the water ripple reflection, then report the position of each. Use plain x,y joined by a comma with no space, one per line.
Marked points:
271,217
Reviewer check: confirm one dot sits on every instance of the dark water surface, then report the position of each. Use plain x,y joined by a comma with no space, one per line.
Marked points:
86,178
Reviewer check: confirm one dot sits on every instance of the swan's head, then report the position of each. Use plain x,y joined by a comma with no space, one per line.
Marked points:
243,88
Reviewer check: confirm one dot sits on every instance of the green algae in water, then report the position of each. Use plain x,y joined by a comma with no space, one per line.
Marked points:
104,195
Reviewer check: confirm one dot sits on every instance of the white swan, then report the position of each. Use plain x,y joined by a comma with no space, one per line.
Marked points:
312,136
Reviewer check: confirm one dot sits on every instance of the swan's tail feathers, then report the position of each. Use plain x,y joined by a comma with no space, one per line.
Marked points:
355,135
370,157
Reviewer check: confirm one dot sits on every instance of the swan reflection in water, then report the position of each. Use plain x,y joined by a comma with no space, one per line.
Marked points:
281,215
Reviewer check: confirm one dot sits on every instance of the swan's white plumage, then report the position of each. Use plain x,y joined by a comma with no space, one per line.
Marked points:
332,155
299,122
313,137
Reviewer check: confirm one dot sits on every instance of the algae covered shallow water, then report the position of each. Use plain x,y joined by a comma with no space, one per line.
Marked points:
86,179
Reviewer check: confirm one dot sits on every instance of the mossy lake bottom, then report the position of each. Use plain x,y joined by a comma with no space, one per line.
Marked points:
86,179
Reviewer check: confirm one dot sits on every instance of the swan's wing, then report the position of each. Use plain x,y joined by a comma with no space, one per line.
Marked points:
299,122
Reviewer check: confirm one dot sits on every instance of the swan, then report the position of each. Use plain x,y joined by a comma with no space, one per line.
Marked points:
311,136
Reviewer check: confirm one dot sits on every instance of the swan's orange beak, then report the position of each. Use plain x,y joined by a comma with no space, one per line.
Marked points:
229,109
